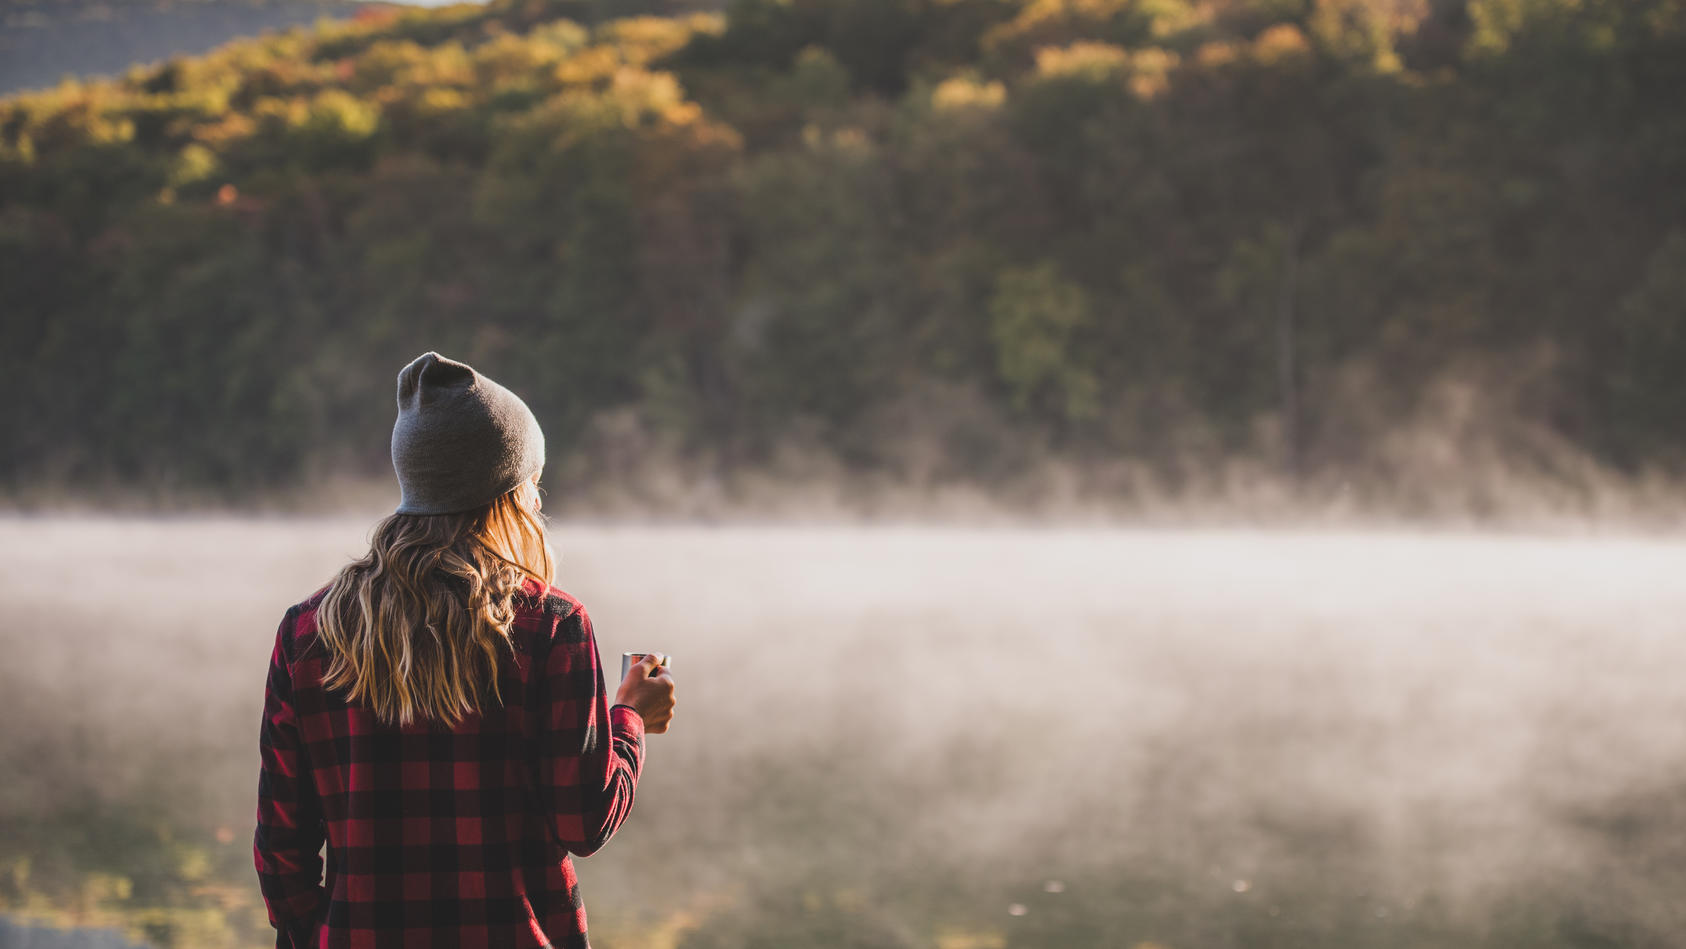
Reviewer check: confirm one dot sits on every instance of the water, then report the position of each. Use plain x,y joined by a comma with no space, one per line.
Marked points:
952,737
15,936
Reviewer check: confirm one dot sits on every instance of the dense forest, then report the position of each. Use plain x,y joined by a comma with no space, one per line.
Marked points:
44,41
1394,250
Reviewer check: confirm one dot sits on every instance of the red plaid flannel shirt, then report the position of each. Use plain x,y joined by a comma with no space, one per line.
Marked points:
442,837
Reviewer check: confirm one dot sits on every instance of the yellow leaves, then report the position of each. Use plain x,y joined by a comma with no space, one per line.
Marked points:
644,38
589,65
509,58
641,95
718,138
333,89
1145,71
106,128
714,24
639,99
1216,53
1363,31
193,164
1150,71
632,41
339,113
404,63
387,62
1088,60
1042,23
1170,17
440,100
631,99
1281,42
1042,16
964,93
563,36
71,116
1038,13
231,127
1599,26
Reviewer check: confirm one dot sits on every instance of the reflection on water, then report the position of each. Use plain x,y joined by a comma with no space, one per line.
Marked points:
946,737
19,936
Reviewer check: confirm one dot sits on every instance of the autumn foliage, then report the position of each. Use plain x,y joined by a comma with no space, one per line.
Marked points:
945,240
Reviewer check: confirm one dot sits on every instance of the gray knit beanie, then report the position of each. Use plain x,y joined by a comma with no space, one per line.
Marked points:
461,440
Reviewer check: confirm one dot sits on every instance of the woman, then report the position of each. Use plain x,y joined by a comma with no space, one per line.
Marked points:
436,716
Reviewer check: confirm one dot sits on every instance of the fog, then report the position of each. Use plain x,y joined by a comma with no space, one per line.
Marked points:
946,737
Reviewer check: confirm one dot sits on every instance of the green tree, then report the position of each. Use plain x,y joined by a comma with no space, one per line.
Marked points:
1036,319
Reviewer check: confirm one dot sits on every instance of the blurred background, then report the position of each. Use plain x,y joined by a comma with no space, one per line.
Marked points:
1145,473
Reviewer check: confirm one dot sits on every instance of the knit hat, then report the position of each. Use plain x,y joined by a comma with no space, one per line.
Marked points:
461,440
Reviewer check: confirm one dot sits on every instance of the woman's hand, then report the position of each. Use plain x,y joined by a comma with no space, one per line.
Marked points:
648,687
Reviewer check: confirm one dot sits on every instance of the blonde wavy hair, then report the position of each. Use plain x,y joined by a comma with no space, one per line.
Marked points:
414,628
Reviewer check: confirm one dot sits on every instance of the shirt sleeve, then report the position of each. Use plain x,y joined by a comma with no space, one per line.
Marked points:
289,838
591,754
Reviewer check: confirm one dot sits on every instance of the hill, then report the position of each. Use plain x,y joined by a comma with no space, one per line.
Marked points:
1392,252
43,41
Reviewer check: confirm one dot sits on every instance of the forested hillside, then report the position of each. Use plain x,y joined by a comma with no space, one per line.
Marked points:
44,41
1395,250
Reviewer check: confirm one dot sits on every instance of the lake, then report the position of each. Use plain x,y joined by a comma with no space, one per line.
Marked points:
942,737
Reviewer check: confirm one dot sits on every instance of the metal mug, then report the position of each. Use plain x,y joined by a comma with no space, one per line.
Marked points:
628,658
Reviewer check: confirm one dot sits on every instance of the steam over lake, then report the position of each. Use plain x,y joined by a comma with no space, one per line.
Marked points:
954,737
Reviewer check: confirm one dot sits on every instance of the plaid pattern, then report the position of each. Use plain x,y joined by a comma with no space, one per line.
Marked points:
442,837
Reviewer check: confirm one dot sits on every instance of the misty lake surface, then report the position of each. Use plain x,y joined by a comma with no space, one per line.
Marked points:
974,737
